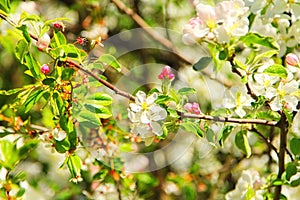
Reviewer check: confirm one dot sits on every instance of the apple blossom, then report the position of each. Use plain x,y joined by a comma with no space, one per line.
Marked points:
286,96
236,99
145,114
43,42
249,180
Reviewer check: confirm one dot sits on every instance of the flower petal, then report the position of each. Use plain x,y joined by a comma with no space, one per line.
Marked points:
145,118
156,128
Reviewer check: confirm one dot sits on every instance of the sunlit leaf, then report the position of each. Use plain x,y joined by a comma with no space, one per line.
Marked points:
110,60
276,70
241,141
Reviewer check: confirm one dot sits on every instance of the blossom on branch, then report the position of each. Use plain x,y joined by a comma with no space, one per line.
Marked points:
227,19
166,73
145,115
192,108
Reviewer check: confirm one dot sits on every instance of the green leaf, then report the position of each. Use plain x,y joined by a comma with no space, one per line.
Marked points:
96,65
58,39
250,194
162,99
224,134
276,70
101,111
110,60
241,141
67,74
186,91
295,146
291,170
32,65
266,54
62,146
28,147
202,63
74,165
22,49
100,99
33,99
89,117
9,154
48,81
252,39
295,183
10,92
210,136
5,5
239,64
192,127
172,113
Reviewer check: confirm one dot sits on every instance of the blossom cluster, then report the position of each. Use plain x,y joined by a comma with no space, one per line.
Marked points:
145,115
227,19
249,183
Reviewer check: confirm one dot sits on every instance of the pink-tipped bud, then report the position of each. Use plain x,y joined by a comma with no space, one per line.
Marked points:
292,59
60,26
166,73
45,69
81,41
43,42
192,108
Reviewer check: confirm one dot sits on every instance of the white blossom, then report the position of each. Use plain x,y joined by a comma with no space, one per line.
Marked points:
237,99
145,115
249,180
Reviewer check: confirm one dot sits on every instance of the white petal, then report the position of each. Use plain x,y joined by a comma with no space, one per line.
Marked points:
150,100
140,97
145,118
240,112
276,105
134,117
135,107
156,128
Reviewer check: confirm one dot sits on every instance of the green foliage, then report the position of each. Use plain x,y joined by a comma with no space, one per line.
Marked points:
241,141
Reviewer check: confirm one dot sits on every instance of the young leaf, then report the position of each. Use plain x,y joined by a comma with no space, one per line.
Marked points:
74,165
295,146
32,65
276,70
241,141
252,39
62,146
89,117
110,60
224,134
186,91
21,50
192,127
9,154
33,99
202,63
291,170
101,98
58,39
10,92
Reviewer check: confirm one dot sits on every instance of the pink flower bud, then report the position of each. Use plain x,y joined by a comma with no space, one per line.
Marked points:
166,72
43,42
291,59
60,26
45,69
192,108
81,41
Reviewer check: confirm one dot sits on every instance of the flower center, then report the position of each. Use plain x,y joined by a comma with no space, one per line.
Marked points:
144,106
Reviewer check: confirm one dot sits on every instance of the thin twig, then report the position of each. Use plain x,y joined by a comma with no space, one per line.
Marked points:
160,39
229,119
269,143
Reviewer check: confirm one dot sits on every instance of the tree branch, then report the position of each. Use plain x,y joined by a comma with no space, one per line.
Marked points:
283,125
229,119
